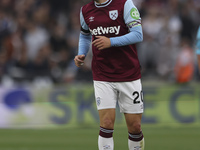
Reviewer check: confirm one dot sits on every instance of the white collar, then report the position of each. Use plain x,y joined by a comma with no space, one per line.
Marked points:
102,4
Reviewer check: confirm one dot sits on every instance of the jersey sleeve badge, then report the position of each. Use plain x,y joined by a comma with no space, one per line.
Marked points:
134,13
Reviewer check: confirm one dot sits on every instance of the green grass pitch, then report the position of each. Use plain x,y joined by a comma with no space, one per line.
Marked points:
156,138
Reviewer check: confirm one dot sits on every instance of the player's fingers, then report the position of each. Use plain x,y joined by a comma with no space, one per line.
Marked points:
79,61
76,62
98,37
82,57
100,47
103,46
79,64
96,42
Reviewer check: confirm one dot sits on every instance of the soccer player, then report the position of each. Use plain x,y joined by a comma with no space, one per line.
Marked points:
198,47
114,26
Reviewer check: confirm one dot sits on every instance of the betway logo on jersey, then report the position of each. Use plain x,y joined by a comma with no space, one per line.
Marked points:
105,30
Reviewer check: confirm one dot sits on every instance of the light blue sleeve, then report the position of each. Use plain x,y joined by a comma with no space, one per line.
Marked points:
84,26
134,36
131,14
133,21
198,42
84,38
84,44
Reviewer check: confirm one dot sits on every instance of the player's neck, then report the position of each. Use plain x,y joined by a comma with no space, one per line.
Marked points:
100,1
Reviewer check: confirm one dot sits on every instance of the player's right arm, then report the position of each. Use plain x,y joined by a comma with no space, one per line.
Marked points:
84,42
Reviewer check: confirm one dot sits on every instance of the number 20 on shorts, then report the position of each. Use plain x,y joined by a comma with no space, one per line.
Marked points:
136,96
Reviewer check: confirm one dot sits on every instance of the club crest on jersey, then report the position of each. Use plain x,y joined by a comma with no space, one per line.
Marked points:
113,14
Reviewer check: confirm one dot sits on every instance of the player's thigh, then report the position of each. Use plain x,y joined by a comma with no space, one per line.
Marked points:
107,118
130,97
105,95
133,122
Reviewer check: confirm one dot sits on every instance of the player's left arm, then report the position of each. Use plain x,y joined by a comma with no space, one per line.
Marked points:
133,22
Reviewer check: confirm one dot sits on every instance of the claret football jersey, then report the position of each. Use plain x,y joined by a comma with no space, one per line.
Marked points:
112,19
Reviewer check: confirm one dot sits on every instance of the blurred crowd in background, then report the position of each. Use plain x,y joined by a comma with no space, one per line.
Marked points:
39,39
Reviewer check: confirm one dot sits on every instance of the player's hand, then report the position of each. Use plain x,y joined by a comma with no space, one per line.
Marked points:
79,60
101,42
